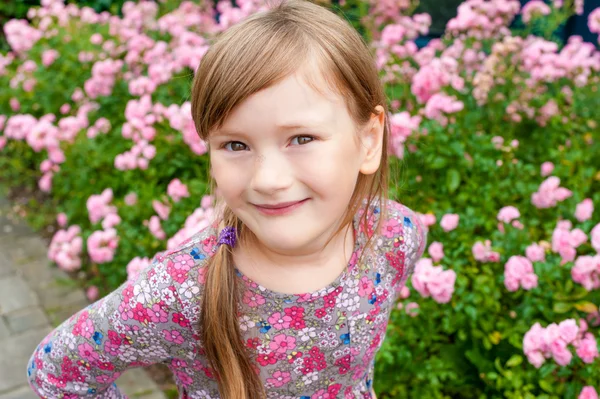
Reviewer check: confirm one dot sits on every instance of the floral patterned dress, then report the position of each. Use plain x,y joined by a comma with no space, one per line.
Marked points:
313,345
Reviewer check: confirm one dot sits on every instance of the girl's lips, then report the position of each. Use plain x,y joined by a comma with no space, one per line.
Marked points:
280,209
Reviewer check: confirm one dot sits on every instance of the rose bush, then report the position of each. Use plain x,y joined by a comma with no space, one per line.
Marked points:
495,136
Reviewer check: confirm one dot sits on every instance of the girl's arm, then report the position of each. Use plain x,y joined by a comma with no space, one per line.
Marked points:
138,324
373,393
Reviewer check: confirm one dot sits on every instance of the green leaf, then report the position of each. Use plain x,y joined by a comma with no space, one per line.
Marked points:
586,307
438,163
547,369
452,180
514,360
562,307
546,386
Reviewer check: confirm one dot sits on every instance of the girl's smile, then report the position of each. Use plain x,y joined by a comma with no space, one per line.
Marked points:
280,209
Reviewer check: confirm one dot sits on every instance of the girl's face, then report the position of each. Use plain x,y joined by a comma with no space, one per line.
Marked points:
287,143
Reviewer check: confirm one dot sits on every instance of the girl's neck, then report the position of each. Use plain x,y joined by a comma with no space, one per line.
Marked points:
259,258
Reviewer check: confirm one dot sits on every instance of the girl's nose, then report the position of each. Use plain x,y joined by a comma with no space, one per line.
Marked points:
272,173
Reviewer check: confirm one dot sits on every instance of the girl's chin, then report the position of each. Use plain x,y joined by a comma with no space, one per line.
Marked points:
285,243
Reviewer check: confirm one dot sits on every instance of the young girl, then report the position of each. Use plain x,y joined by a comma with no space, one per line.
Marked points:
288,294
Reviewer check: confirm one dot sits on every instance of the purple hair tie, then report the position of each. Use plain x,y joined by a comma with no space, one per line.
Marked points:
227,236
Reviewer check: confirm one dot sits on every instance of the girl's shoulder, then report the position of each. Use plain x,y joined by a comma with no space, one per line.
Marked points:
200,246
181,270
185,262
402,238
405,216
395,220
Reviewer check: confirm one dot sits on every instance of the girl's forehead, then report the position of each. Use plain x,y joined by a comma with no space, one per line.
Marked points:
288,104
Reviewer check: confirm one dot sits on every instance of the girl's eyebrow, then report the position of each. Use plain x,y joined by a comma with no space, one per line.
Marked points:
299,125
283,126
227,133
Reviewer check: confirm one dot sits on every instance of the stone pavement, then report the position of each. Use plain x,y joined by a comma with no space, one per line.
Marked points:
32,303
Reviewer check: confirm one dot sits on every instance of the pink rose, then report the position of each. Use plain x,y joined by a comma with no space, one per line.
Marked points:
428,219
584,210
436,251
412,309
519,270
588,392
568,330
449,221
131,199
92,293
534,8
595,234
177,190
483,252
535,253
61,219
547,168
561,354
586,271
508,213
206,201
161,209
587,349
529,281
564,241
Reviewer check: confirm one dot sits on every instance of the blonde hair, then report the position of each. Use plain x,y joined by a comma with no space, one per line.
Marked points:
250,56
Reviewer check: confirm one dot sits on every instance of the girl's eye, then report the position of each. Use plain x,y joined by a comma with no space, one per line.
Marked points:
303,139
235,146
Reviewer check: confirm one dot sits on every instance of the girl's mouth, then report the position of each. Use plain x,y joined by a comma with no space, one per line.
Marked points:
281,208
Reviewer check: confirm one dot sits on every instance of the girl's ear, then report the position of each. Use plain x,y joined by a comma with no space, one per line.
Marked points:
372,142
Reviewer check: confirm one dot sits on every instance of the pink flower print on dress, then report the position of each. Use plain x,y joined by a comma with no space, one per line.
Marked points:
157,314
179,274
279,378
391,228
282,343
322,394
184,262
173,336
253,299
396,260
140,313
265,359
209,243
297,315
87,352
84,326
280,322
365,287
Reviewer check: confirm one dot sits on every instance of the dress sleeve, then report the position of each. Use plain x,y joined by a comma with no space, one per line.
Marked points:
138,324
415,236
406,238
